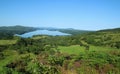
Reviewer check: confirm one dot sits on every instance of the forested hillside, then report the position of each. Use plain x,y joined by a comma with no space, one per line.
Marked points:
74,31
10,31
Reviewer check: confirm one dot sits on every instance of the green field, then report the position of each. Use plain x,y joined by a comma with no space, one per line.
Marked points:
7,42
76,49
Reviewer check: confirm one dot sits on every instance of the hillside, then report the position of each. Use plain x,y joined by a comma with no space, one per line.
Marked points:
88,53
74,31
108,37
7,32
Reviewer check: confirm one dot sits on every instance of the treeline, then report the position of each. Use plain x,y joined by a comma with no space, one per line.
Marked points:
35,46
74,31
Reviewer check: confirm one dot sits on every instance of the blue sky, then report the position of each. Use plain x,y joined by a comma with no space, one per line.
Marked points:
78,14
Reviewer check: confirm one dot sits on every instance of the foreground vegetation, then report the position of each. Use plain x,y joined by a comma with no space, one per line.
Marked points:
92,53
66,61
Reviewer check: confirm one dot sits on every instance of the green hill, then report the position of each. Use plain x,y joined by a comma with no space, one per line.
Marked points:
7,32
108,37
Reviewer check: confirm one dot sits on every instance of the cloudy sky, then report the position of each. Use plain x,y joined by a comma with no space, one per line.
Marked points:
78,14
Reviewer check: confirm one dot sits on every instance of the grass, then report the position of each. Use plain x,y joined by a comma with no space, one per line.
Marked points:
76,49
7,42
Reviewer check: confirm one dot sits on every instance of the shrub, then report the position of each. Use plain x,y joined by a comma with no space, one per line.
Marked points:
55,60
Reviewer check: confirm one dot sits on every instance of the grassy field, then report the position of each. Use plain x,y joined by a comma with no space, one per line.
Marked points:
7,42
76,49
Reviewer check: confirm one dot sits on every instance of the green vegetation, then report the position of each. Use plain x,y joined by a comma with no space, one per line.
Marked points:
91,53
39,37
10,31
76,49
103,38
7,42
73,31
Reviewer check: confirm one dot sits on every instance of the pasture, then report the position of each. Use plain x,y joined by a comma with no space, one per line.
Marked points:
77,49
7,42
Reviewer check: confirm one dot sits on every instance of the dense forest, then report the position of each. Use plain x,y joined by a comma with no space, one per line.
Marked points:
87,52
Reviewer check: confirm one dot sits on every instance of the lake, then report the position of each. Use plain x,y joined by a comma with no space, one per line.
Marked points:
42,32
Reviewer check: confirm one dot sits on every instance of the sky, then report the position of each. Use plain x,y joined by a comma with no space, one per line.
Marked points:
77,14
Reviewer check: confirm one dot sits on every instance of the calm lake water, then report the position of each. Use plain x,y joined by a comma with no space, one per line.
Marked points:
42,32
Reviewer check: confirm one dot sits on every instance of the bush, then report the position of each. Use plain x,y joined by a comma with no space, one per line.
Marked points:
38,68
55,60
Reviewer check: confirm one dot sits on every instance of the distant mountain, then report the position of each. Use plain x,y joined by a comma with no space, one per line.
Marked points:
22,29
74,31
7,32
18,27
68,30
